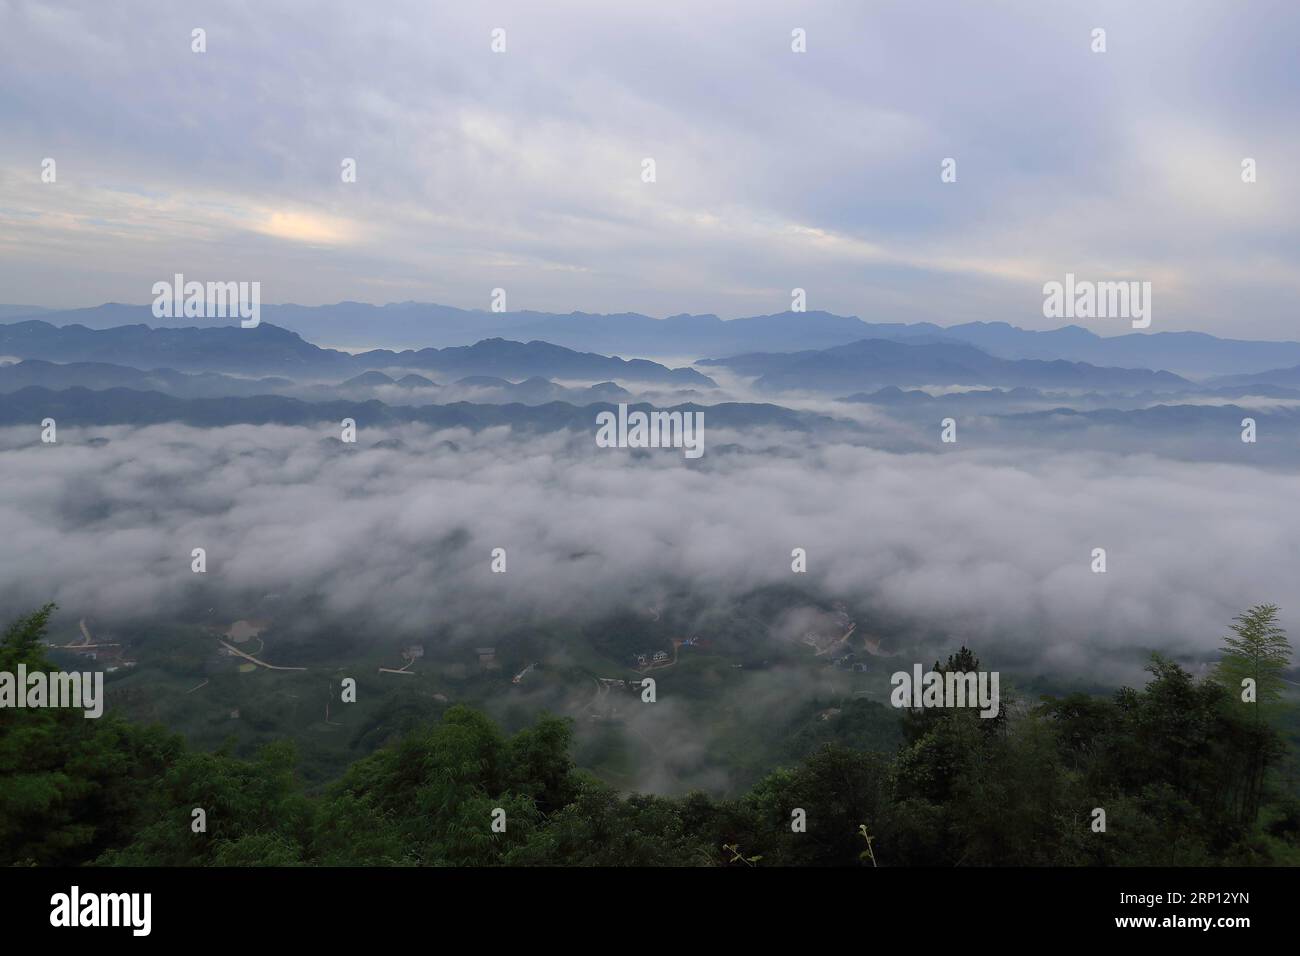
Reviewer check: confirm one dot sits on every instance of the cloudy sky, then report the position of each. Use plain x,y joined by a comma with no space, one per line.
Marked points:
775,170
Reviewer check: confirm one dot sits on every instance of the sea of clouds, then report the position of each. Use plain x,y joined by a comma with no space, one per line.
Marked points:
993,547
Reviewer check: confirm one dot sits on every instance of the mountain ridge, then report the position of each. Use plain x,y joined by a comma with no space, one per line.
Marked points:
411,325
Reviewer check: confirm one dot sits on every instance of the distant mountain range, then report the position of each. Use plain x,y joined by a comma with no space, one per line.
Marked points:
891,396
1280,377
502,358
376,379
473,388
354,325
1191,432
268,350
479,388
196,362
265,350
539,391
101,375
124,406
879,362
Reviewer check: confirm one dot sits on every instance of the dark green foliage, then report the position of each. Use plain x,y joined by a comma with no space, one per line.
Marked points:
69,787
1185,775
1258,650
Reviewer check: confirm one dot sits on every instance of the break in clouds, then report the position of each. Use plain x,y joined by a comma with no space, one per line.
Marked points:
991,549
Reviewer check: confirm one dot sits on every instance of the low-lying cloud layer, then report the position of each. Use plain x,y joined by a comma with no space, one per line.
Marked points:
990,548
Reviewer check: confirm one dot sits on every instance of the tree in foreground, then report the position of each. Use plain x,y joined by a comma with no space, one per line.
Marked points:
1251,669
1258,652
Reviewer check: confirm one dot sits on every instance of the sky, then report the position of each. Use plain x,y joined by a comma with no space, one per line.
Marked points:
774,170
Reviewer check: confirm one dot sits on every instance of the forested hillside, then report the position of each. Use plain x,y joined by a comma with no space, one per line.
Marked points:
1185,773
